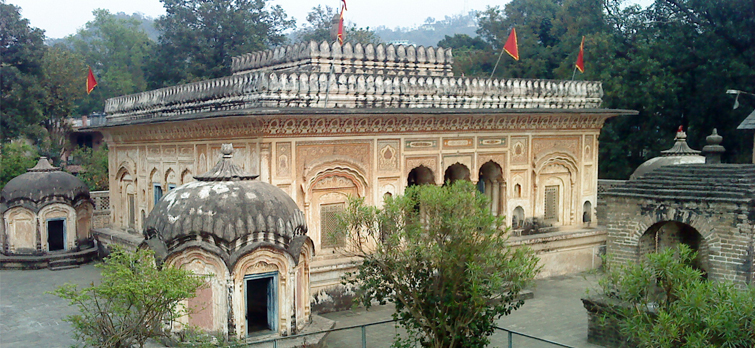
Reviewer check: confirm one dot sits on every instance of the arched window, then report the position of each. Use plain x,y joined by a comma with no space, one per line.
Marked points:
455,172
587,213
420,176
517,218
490,183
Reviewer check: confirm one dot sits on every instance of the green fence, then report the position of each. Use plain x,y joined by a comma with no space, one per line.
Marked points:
382,334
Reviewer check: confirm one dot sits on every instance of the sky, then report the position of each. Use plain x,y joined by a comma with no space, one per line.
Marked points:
60,18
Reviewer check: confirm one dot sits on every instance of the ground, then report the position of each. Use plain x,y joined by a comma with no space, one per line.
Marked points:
29,317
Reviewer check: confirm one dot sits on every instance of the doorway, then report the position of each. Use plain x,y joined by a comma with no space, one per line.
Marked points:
261,295
56,234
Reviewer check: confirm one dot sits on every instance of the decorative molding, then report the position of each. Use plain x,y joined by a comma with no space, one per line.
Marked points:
519,150
492,142
388,155
421,144
283,152
541,146
458,143
317,125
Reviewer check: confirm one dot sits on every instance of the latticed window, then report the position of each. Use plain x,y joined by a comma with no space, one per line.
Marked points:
329,226
551,203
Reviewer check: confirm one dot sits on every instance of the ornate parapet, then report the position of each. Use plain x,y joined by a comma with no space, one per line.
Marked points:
385,60
345,90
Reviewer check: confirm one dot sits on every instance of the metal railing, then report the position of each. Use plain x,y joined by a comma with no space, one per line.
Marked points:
363,339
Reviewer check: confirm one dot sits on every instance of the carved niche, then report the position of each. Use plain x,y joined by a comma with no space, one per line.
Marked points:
388,155
283,162
519,150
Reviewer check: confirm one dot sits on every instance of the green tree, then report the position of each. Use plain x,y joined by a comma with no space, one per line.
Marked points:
21,52
442,258
132,303
116,49
319,23
664,302
15,159
199,37
94,167
473,56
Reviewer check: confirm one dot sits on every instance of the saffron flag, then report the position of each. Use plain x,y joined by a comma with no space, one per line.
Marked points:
91,81
581,57
340,25
511,47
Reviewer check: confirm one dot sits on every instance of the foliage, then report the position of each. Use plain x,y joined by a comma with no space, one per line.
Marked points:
15,159
200,37
668,304
472,55
94,167
21,53
116,48
442,258
132,303
318,26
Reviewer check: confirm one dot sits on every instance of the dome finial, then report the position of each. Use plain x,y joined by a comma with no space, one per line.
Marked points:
43,165
226,150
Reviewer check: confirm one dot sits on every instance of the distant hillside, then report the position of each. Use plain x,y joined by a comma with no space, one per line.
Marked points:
146,23
432,31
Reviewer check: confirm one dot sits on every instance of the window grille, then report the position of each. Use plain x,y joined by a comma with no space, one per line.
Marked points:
329,226
551,203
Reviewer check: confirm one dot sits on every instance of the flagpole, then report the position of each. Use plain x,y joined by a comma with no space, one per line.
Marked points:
496,63
574,73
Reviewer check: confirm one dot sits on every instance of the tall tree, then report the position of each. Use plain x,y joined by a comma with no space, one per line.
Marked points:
116,49
21,52
199,37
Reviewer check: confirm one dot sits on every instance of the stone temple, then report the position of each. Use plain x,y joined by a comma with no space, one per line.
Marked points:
322,122
46,218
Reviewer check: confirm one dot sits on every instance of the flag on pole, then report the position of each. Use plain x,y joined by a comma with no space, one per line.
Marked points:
581,57
91,81
344,5
511,47
340,25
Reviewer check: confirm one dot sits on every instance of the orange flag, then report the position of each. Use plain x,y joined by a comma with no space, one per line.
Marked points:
340,25
581,57
91,82
511,47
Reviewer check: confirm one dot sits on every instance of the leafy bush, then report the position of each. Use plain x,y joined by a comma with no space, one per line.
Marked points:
442,258
666,302
133,302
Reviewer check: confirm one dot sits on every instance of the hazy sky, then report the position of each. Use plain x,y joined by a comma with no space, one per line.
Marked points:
63,17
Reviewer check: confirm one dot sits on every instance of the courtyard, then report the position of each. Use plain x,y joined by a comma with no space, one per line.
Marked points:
30,317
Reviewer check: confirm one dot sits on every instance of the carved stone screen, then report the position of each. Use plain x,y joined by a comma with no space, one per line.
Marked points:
551,203
329,224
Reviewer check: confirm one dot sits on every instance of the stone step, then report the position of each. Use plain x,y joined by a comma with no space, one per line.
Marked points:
58,265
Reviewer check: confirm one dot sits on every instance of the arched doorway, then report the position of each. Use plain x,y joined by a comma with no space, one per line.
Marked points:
420,176
490,183
669,234
455,172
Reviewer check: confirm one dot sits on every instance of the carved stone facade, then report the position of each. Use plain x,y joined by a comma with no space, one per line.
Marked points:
322,137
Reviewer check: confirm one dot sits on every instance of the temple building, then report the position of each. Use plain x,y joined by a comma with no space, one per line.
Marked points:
323,122
46,219
249,238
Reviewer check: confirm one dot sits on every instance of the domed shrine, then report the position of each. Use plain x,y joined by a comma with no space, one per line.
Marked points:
47,216
680,153
250,238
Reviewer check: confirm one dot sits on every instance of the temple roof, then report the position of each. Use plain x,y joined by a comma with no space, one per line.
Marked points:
679,153
749,122
42,185
227,212
330,76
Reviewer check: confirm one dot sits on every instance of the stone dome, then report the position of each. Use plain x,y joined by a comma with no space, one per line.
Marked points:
42,185
225,210
678,154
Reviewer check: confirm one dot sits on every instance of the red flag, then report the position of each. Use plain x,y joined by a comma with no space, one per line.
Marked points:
581,57
511,47
340,25
91,82
344,5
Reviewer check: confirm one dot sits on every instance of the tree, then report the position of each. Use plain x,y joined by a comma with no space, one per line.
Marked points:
473,57
199,37
664,302
21,51
15,159
442,258
116,49
133,301
94,167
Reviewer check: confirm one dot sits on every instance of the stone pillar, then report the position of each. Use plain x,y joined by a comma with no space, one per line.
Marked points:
265,162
